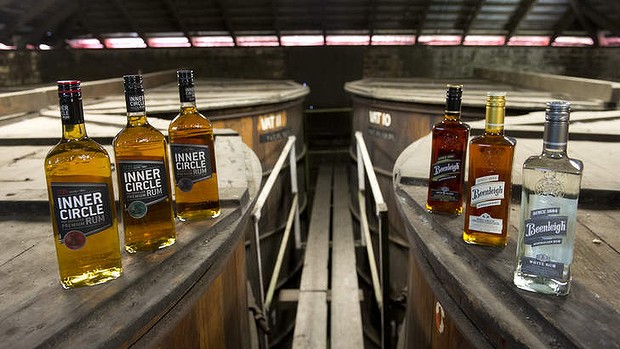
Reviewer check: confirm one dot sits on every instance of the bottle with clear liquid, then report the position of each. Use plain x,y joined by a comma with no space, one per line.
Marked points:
489,179
141,158
446,180
551,185
193,157
79,184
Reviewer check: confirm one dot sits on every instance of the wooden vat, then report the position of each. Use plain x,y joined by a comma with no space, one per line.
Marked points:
393,113
264,113
191,294
462,296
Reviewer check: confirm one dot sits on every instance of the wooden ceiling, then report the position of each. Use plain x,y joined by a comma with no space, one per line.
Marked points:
52,22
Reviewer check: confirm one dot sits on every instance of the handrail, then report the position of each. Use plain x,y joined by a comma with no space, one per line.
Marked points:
291,222
365,169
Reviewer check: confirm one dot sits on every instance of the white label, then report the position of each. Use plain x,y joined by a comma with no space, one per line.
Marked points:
486,223
485,179
487,191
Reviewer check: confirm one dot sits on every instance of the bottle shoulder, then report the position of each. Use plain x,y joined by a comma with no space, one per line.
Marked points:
451,126
191,120
561,164
81,151
493,140
138,135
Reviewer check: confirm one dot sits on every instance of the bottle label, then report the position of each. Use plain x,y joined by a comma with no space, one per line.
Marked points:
143,183
192,163
186,94
444,194
488,191
542,266
135,103
445,168
71,112
544,227
81,209
486,223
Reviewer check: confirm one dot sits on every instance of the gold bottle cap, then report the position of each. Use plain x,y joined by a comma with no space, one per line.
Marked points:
495,111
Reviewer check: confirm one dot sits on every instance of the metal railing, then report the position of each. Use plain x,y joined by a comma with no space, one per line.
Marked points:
380,283
292,222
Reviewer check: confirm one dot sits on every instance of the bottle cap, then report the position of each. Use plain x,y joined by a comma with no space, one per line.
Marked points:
186,77
557,111
453,98
495,111
133,83
68,86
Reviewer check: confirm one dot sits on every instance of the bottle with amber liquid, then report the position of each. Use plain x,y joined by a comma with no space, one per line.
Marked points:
79,184
141,157
550,192
446,180
193,157
489,180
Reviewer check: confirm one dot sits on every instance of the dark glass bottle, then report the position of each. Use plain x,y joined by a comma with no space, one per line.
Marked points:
446,180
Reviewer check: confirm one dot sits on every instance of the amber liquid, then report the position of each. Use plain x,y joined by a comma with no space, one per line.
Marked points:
449,143
490,154
202,202
141,141
79,159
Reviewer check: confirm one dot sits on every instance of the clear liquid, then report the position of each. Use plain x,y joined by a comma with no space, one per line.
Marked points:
549,182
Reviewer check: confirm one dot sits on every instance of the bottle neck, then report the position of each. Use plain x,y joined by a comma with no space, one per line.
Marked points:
452,115
187,97
136,107
72,115
494,117
555,138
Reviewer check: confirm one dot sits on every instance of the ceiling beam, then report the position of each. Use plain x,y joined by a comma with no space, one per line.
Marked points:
15,23
422,19
276,20
51,23
588,25
517,17
177,18
470,19
129,18
565,21
226,18
584,10
372,17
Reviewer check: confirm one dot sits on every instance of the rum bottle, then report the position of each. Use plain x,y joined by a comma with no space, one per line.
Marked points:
193,157
141,158
446,180
551,184
79,184
489,180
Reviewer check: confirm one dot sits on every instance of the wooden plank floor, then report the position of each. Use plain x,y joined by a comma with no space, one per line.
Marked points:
346,318
311,321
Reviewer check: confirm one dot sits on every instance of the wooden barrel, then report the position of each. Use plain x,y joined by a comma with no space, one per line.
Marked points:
462,296
189,295
393,113
264,113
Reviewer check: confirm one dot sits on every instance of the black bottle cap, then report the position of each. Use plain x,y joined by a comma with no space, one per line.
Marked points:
453,98
133,83
186,77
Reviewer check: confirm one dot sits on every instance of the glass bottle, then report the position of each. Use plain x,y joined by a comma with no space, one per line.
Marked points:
446,180
193,157
79,184
143,175
551,185
489,180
